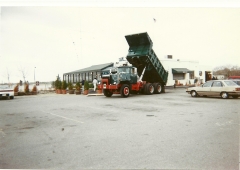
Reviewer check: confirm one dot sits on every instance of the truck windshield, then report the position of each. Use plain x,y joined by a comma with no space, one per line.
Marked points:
106,72
123,69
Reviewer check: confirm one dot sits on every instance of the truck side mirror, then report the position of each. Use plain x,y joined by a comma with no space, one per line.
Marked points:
135,70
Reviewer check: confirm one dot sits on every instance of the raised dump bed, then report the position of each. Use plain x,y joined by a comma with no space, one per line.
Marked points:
141,55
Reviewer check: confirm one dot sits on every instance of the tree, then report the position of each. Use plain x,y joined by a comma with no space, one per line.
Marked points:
227,70
23,72
7,74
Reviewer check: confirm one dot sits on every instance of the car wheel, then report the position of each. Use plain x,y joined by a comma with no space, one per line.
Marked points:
224,95
194,93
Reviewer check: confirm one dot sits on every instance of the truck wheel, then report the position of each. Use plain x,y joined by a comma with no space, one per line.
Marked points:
107,93
145,88
157,88
125,90
11,97
149,89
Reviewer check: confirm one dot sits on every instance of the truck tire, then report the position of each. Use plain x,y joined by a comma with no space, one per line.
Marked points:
145,88
157,88
149,89
107,93
125,90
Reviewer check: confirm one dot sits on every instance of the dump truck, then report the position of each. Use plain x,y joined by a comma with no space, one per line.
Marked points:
144,74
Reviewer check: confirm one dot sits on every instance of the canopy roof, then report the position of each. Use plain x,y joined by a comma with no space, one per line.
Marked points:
181,70
92,68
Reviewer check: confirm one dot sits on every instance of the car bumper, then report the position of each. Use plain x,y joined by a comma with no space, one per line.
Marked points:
234,93
6,93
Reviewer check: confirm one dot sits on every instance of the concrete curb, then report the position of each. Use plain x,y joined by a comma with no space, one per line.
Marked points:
97,94
172,87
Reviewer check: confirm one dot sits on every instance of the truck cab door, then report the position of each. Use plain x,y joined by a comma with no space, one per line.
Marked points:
133,75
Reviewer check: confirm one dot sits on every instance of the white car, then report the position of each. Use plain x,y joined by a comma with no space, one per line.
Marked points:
6,91
223,88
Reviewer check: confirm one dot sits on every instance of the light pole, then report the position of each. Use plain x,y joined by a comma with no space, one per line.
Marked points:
34,74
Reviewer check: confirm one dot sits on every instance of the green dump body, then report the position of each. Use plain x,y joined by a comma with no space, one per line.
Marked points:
141,54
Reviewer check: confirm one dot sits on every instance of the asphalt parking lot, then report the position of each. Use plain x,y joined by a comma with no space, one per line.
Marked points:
166,131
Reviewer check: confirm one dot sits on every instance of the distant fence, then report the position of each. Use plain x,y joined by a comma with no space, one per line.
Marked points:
43,86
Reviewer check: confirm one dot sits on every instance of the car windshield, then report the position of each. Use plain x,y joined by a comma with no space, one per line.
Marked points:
237,82
230,83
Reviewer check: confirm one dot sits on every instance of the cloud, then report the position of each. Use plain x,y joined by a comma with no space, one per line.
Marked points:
43,37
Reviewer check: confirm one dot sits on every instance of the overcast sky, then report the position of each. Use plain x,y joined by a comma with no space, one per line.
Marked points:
61,39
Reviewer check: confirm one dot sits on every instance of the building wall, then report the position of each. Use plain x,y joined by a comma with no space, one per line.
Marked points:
168,64
194,66
78,77
220,77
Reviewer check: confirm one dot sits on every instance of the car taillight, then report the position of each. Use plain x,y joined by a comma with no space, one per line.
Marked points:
237,89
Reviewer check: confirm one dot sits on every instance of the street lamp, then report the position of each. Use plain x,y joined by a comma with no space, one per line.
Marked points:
34,74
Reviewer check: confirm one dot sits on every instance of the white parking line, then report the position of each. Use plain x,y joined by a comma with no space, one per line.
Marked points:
63,117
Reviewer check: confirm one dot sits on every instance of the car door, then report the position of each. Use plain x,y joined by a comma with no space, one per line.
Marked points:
216,88
206,87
